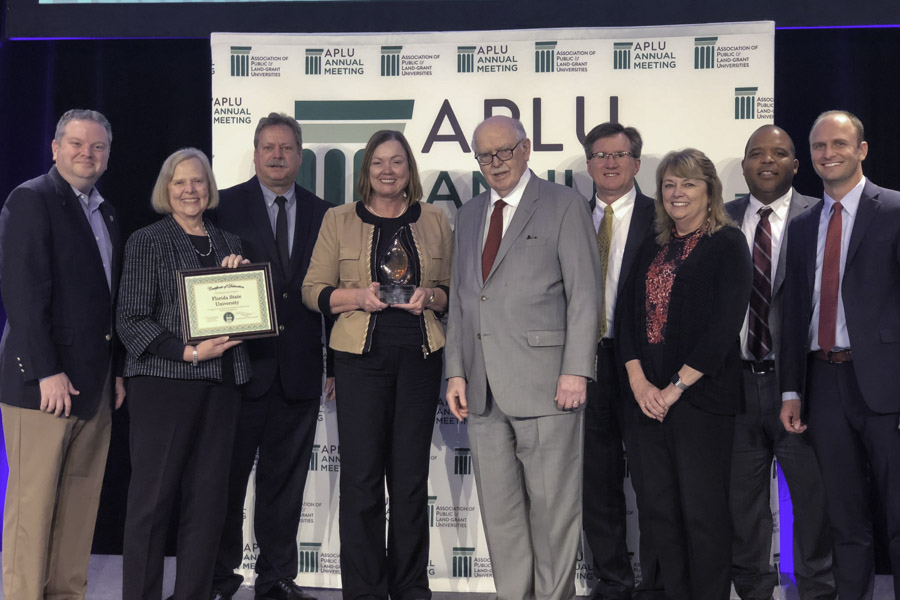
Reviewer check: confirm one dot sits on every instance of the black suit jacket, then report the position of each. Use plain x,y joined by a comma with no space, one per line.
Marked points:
870,289
707,304
296,354
799,203
60,309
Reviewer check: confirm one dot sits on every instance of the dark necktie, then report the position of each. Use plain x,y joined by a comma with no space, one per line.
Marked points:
759,341
831,281
492,243
604,237
281,234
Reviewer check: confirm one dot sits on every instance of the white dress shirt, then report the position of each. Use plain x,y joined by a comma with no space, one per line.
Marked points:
778,223
623,209
512,201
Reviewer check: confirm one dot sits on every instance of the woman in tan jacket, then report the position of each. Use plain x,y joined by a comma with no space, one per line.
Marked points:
381,268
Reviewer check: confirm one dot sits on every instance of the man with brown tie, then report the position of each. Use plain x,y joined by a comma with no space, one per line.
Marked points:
769,167
840,349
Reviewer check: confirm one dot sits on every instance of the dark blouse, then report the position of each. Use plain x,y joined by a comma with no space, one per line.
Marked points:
659,281
394,326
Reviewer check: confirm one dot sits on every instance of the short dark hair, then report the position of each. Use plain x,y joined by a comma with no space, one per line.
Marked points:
364,186
854,120
605,130
80,114
274,119
771,126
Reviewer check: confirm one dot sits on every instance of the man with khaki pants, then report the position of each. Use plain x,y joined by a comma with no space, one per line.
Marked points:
60,256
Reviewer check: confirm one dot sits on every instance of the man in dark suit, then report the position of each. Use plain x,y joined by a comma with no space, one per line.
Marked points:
623,218
841,347
769,166
523,325
278,222
60,256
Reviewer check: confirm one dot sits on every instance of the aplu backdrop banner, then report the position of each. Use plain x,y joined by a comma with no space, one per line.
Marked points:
707,86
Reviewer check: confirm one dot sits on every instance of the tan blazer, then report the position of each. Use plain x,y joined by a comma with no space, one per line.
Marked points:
342,259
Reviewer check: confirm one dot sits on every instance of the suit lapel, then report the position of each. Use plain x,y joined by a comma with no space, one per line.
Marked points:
259,216
524,210
302,234
72,205
641,220
868,208
112,226
809,233
477,232
797,205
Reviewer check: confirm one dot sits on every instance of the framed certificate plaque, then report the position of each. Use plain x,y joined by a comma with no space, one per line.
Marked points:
234,302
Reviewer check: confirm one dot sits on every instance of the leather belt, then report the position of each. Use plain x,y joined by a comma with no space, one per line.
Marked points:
760,367
834,356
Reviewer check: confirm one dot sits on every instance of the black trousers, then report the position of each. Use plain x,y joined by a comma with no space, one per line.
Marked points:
386,404
759,436
604,476
181,438
856,447
282,431
683,469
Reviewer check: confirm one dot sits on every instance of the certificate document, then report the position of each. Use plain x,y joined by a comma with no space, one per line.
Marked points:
234,302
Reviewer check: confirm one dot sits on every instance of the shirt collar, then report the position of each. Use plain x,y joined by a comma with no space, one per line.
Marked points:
850,202
92,200
516,195
779,207
269,196
620,206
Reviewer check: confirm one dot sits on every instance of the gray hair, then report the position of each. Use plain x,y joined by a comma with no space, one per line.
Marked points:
274,119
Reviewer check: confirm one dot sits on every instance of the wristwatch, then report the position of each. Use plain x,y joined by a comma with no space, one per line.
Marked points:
677,382
195,360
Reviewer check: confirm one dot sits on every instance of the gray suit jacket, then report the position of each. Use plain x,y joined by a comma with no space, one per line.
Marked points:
537,314
799,203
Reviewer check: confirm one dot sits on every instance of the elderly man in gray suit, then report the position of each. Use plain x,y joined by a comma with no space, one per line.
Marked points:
521,340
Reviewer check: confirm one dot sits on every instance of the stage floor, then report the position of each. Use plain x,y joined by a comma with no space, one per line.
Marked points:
105,583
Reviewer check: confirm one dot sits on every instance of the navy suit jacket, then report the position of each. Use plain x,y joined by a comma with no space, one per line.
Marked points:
799,203
60,309
296,354
870,289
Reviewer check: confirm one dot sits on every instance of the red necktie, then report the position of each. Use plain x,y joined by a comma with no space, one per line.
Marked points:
492,244
831,281
760,337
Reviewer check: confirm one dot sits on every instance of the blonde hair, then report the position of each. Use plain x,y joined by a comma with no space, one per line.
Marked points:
690,163
159,199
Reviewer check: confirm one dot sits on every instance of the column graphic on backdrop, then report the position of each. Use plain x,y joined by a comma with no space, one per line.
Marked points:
705,52
435,88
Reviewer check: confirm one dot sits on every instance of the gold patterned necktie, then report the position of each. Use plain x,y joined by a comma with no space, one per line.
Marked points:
604,237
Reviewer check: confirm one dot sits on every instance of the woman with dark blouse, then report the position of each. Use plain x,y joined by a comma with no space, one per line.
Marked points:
182,399
678,336
387,364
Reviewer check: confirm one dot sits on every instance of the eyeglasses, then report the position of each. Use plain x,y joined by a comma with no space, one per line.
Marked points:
617,156
504,154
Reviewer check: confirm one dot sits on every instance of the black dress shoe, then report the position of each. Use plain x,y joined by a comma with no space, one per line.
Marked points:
285,589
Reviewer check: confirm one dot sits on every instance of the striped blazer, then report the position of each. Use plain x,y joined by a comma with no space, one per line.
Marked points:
148,299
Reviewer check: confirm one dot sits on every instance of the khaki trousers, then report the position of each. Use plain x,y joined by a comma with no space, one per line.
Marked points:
56,467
